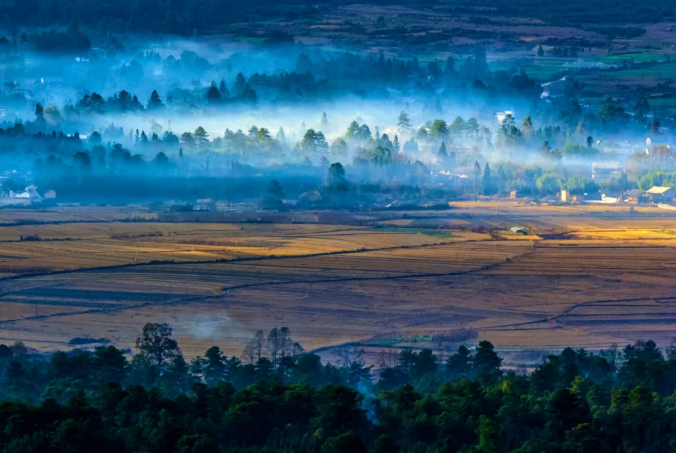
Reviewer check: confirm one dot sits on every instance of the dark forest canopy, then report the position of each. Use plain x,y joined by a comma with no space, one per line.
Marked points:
163,16
278,397
177,16
574,11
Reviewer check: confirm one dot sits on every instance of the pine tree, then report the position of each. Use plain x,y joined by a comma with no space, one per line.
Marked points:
477,175
443,155
213,95
472,126
223,89
155,102
527,127
335,179
281,136
248,94
449,68
487,180
214,369
201,137
502,178
239,85
458,127
324,123
404,122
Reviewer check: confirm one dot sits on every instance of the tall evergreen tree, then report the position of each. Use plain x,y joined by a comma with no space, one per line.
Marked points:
155,102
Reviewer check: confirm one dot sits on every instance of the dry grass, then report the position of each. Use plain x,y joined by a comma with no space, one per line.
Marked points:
584,285
76,246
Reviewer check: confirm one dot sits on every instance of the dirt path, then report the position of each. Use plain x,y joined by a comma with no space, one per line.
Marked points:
553,319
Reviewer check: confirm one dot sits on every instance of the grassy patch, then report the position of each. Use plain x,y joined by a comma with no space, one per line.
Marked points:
669,232
636,57
665,70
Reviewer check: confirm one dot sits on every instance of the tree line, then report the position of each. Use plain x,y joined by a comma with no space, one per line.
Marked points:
278,397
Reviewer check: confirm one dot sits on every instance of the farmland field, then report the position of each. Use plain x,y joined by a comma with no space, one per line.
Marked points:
580,277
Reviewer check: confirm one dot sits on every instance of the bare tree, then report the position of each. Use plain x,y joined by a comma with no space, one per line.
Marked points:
285,343
297,350
392,357
350,355
258,343
671,349
274,346
439,340
612,355
248,353
18,349
253,351
279,345
388,358
382,358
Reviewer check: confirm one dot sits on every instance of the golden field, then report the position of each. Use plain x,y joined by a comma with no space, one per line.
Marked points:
578,278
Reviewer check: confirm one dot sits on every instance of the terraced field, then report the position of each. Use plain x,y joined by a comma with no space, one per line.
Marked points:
388,287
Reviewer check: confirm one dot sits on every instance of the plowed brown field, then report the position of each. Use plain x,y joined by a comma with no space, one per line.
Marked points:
587,284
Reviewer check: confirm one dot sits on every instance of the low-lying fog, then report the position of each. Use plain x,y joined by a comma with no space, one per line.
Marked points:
129,119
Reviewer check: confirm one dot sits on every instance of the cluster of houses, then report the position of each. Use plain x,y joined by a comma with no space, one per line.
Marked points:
28,196
655,195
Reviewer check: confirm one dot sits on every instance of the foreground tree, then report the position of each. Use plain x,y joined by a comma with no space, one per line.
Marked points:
156,346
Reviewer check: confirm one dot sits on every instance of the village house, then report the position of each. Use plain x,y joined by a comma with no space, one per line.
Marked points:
611,197
660,194
635,196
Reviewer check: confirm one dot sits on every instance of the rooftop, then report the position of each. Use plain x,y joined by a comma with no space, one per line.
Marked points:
658,189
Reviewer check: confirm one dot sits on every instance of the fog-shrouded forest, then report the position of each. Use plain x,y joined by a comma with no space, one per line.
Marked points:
118,117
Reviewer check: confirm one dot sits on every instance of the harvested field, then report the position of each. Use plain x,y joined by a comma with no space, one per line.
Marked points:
35,249
579,284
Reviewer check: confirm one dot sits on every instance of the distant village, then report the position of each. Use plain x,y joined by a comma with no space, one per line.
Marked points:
10,195
657,195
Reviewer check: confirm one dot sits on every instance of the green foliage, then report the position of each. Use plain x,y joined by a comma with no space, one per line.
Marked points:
548,183
572,149
156,346
575,184
657,178
287,400
404,122
313,143
439,129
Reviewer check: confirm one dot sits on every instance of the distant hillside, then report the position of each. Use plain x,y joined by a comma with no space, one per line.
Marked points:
198,16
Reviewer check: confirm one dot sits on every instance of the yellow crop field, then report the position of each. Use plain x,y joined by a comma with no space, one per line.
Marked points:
382,281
